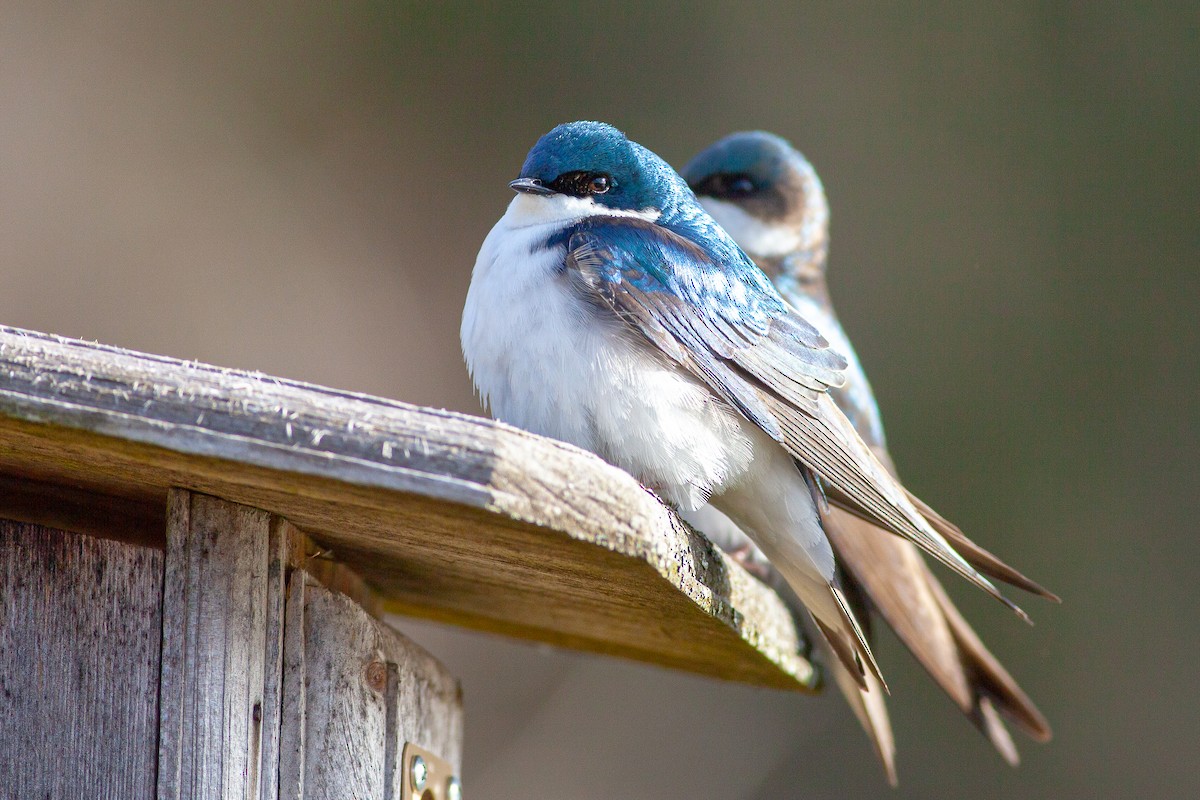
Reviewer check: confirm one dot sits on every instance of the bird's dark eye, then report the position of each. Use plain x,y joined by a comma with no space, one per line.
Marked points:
740,185
582,184
726,185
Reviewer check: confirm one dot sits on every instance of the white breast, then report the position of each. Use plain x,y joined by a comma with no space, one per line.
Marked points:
546,361
752,234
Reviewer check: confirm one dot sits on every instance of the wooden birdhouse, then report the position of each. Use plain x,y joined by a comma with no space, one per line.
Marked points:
194,562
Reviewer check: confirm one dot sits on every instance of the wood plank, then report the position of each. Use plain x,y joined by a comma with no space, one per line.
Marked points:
450,517
279,551
293,715
366,691
345,691
214,647
424,701
80,632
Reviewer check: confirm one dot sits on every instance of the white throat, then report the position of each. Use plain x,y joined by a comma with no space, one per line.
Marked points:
527,210
759,239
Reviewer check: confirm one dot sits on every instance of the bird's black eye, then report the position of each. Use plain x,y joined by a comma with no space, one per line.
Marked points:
582,184
740,185
727,185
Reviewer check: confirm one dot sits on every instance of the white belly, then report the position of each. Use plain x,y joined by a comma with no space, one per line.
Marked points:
544,360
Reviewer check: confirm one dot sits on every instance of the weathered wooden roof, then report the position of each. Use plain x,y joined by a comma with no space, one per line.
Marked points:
448,516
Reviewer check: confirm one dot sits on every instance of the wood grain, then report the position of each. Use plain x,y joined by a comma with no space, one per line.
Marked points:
358,691
424,700
345,709
293,714
280,538
213,649
79,661
448,516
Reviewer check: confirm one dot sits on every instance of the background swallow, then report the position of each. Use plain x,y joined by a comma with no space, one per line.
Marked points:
769,198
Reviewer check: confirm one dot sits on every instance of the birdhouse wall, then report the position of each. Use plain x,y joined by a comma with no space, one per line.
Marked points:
221,667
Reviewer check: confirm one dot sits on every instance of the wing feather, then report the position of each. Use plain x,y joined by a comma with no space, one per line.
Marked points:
726,324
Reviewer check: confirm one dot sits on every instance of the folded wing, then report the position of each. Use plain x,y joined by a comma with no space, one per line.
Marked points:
726,324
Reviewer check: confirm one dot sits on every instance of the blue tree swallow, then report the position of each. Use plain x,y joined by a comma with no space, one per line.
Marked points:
769,199
609,310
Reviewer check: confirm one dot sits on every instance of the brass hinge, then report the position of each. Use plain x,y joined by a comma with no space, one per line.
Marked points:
427,776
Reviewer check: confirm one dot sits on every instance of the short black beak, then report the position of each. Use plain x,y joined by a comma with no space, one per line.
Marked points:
530,186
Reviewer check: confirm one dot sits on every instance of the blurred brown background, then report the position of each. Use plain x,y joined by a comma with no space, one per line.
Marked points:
1016,251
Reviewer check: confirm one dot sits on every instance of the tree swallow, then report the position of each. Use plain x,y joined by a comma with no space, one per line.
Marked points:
609,310
769,199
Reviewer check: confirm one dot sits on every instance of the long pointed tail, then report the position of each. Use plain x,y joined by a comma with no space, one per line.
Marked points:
990,679
870,706
978,557
899,585
835,620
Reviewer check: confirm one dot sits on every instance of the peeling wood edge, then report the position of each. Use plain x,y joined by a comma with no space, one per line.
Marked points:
204,442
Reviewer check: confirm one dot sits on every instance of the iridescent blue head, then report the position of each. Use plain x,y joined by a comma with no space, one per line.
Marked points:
764,193
596,163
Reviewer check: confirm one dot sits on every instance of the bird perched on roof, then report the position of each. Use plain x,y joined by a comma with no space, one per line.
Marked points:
769,199
608,309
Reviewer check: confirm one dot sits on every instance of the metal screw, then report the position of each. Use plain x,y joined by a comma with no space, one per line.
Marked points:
419,773
453,789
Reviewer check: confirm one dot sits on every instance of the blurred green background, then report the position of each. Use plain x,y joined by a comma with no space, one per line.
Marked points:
1015,251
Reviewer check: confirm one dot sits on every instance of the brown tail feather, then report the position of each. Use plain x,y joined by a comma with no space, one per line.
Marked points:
852,651
892,574
988,721
969,571
992,680
862,647
976,556
871,709
888,572
849,644
846,656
